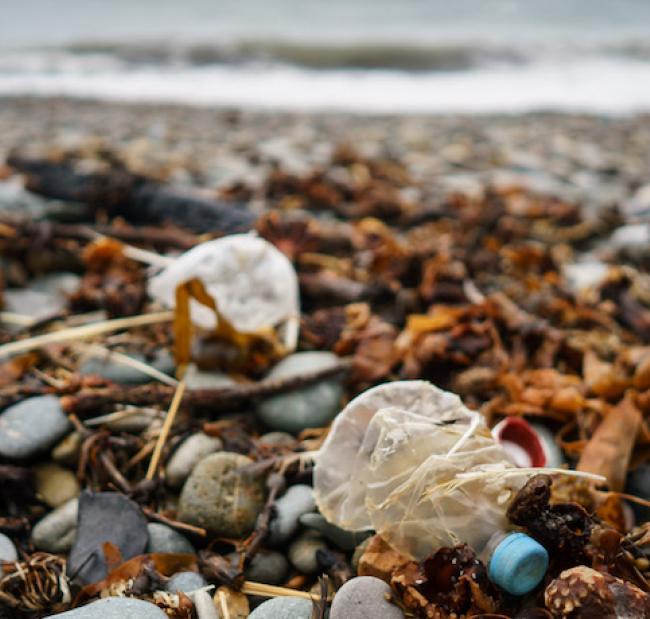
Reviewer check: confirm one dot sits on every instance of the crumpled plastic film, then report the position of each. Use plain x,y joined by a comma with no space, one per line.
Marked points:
254,284
410,461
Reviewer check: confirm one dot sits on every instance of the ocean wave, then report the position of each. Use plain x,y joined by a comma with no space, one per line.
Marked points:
610,85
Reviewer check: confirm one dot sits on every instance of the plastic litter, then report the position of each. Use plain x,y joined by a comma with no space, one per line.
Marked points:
254,284
413,463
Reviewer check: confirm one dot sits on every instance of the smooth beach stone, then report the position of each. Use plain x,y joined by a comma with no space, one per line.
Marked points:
8,551
56,532
302,552
219,497
188,454
205,608
199,379
117,372
165,539
185,582
55,485
364,597
345,540
312,406
295,502
268,567
31,426
67,450
278,439
283,608
43,297
105,517
114,608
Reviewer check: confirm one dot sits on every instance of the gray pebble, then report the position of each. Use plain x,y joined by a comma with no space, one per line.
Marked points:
44,297
7,550
221,498
118,372
278,439
114,608
56,532
31,426
302,552
189,453
295,502
198,379
312,406
204,606
283,608
165,539
345,540
185,582
268,567
364,597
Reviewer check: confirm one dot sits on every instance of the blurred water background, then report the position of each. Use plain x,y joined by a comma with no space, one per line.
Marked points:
354,55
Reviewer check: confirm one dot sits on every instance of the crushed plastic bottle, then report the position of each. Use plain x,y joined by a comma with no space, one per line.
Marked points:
254,284
413,463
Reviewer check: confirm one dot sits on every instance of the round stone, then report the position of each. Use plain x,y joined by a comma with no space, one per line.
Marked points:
302,553
190,452
165,539
55,485
295,502
198,379
283,608
278,439
185,582
313,406
114,608
222,498
345,540
364,597
56,532
7,550
268,567
67,451
31,426
117,372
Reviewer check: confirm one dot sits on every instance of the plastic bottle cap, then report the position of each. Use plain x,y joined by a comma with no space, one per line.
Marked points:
518,564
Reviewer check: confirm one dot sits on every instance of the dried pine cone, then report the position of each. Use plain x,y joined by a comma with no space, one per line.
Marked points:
584,593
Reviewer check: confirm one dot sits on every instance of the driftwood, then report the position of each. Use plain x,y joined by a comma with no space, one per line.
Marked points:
135,198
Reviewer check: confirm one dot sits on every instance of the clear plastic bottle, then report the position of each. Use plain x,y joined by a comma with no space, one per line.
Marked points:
413,463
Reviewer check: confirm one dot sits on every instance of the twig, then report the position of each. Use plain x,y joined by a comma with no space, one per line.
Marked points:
174,524
164,433
77,333
271,591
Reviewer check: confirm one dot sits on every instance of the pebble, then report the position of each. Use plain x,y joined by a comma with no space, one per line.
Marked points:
185,582
313,406
283,608
105,517
31,426
198,379
295,502
345,540
7,550
117,372
114,608
68,450
278,439
204,606
364,597
302,552
165,539
45,296
55,485
56,532
221,499
268,567
190,452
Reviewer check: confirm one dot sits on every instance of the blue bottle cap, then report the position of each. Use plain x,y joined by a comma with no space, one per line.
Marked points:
518,564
